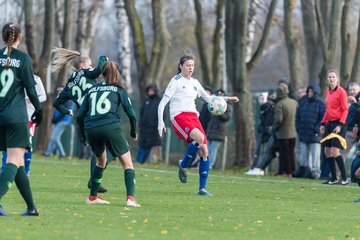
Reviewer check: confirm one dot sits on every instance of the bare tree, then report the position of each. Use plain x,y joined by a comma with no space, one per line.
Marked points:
292,43
149,70
345,45
86,23
311,40
66,31
123,42
40,62
355,72
211,78
328,44
239,71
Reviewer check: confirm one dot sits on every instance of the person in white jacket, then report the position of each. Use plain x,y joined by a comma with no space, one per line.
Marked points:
30,110
181,92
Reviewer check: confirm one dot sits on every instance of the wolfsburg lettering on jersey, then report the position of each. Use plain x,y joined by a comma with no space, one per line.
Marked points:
13,62
103,88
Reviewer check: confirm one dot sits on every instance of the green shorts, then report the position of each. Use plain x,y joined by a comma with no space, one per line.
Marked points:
110,136
14,136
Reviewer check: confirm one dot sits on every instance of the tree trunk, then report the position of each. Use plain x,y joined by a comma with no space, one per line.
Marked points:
87,26
201,44
345,46
313,58
149,72
355,72
291,44
236,20
328,47
123,42
65,39
216,55
40,63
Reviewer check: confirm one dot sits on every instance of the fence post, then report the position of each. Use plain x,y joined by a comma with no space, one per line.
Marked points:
167,149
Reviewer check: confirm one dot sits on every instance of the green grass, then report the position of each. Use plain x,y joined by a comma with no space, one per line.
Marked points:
243,207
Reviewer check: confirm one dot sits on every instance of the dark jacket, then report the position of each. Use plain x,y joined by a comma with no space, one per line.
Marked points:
308,117
218,126
353,116
285,112
205,116
148,121
266,121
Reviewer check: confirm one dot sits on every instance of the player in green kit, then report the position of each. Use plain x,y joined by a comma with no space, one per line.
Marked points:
80,81
15,75
100,112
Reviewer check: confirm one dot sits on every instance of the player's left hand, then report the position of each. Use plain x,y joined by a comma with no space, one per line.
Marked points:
37,117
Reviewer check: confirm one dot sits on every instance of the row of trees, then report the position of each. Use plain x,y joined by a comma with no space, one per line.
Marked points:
236,34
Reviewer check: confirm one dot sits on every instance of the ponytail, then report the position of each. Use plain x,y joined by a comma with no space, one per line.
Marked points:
111,74
10,34
61,56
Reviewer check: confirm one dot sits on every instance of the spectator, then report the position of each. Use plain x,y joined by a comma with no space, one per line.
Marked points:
308,120
205,114
284,129
60,122
262,134
148,134
217,130
269,142
352,119
333,122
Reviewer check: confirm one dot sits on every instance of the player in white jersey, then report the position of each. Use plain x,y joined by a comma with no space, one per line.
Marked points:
39,87
181,92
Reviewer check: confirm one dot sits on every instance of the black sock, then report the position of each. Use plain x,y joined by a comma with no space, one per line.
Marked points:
340,162
23,184
97,178
7,177
331,161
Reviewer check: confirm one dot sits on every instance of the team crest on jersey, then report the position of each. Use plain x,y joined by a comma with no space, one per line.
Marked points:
195,88
187,130
183,87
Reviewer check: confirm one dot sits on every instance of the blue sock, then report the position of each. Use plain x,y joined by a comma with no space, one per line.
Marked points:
203,172
191,152
4,157
27,157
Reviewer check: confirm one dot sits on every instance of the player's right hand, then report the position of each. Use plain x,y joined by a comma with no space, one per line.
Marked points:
37,117
161,128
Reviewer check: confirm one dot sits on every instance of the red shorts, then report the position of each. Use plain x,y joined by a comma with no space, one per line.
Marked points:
184,123
32,128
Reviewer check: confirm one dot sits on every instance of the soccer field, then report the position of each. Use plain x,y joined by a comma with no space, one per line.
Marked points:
243,207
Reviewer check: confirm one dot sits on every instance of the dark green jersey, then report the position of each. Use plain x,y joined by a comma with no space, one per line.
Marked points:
101,106
77,86
18,76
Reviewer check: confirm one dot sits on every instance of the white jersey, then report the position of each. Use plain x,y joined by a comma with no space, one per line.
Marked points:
39,87
182,93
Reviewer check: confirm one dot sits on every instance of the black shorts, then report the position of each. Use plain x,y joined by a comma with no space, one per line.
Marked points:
110,136
329,128
15,135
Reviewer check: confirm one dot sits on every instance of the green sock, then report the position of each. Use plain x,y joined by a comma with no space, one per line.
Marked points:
23,184
97,178
129,175
7,177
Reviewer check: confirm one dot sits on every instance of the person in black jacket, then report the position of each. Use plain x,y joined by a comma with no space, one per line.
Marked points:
217,130
308,120
148,133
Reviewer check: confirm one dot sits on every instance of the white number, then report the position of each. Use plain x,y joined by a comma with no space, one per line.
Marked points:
100,106
7,79
79,90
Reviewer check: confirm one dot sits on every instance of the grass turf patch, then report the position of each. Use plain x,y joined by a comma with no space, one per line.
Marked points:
243,207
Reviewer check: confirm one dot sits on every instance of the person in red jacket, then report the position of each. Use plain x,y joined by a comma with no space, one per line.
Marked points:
333,122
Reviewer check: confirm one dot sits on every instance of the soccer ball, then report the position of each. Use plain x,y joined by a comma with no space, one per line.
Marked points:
217,106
